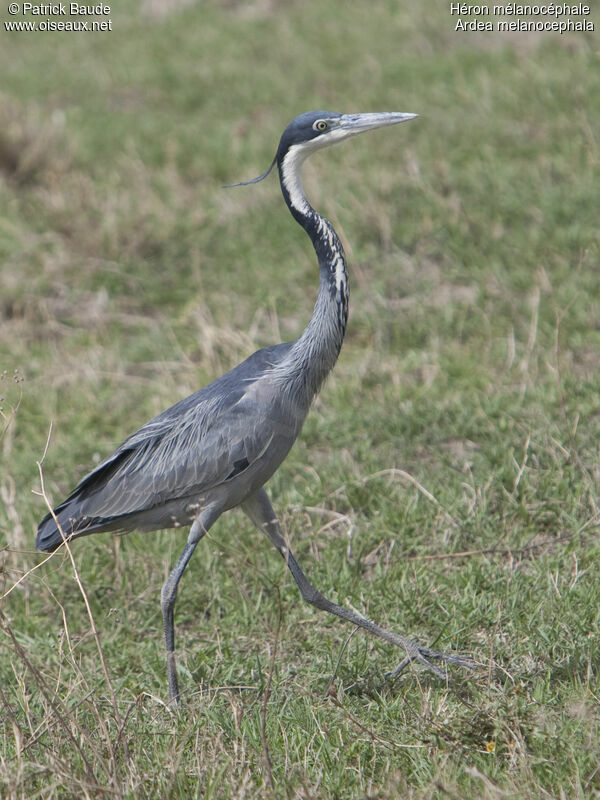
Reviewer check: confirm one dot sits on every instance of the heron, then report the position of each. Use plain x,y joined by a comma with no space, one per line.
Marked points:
216,449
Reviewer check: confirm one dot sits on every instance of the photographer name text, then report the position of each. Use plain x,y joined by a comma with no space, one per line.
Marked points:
59,9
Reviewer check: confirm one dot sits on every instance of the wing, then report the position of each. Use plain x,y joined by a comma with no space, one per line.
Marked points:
210,438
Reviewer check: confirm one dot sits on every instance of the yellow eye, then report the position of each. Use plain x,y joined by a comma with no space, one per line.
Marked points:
321,125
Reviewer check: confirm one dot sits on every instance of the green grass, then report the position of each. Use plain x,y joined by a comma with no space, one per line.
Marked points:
446,480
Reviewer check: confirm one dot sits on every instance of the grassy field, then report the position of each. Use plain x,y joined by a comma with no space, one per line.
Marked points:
446,480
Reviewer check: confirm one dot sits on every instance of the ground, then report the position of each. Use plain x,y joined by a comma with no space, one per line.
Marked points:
446,480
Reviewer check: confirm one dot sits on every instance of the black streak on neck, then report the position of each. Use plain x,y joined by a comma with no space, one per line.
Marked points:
318,347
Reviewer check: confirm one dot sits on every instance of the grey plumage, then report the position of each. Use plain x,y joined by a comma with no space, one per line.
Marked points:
217,448
210,447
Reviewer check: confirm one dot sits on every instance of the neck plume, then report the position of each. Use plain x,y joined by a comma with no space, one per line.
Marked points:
315,352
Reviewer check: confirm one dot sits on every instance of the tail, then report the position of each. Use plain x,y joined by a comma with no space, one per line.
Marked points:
73,522
48,535
81,512
70,521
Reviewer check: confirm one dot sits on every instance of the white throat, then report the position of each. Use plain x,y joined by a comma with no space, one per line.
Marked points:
291,166
291,176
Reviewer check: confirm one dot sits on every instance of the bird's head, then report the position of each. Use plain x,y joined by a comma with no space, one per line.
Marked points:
313,131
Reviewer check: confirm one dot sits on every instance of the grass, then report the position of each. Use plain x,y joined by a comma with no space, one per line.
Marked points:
446,480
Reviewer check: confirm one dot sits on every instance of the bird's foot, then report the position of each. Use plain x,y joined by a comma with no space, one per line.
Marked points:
424,656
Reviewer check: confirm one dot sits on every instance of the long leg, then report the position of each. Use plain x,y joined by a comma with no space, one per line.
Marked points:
258,508
168,595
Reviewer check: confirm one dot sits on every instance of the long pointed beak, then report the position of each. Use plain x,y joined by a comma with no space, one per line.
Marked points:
357,123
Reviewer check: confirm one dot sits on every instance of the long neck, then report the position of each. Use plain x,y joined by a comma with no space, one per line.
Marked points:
315,352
